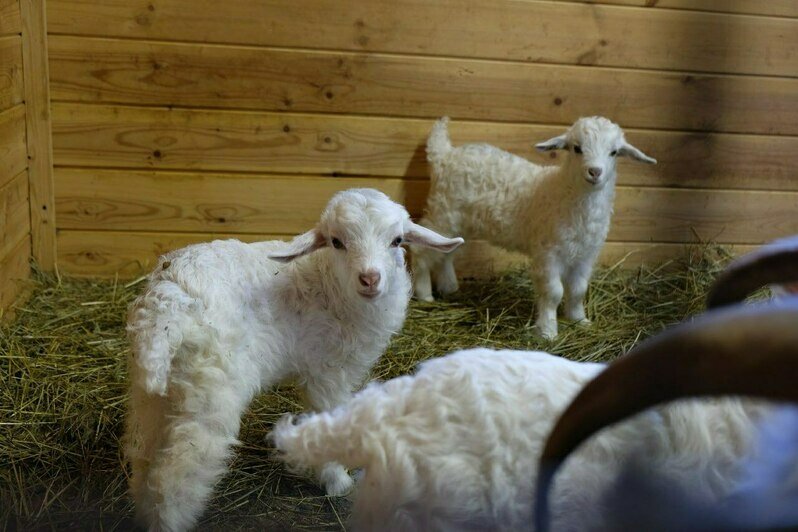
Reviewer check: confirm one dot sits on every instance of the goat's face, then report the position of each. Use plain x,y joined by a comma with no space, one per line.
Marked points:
363,231
593,144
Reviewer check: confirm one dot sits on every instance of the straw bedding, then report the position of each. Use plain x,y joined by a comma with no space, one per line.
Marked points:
62,394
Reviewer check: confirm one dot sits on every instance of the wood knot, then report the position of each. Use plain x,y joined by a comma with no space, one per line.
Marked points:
558,101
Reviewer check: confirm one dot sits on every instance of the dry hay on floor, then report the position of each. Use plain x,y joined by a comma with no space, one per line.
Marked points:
62,396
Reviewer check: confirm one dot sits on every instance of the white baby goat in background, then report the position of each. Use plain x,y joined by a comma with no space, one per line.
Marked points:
557,215
221,321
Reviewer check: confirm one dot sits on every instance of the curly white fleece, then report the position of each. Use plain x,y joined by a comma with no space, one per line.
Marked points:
557,215
221,321
456,446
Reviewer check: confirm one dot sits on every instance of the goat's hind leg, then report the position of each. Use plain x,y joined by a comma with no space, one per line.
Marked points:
194,446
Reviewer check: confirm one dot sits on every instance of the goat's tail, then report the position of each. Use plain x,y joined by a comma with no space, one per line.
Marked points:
438,143
159,322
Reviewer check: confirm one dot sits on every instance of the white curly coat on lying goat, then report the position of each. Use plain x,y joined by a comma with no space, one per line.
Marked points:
221,321
557,215
456,446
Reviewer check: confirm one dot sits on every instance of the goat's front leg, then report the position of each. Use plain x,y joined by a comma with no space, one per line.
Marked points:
422,274
549,293
576,282
445,276
323,392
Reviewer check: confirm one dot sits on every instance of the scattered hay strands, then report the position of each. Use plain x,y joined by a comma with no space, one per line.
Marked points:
62,393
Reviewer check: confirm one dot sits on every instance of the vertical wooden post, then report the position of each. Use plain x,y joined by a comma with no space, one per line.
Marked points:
40,147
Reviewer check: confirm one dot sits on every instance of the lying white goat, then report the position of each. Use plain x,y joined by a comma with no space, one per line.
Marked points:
456,446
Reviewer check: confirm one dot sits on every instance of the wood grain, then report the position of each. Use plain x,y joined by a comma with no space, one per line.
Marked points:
89,199
10,20
530,31
39,135
182,139
480,260
14,213
13,150
158,201
14,270
11,85
189,75
131,254
782,8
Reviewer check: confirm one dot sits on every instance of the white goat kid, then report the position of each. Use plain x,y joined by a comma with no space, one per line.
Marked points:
221,321
557,215
456,446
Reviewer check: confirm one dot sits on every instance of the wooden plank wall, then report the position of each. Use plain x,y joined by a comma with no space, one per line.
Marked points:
176,120
15,243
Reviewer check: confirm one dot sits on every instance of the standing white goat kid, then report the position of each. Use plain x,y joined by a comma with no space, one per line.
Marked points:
557,215
221,321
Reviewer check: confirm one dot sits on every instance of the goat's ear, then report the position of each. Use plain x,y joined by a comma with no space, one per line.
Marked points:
299,246
421,236
627,150
556,143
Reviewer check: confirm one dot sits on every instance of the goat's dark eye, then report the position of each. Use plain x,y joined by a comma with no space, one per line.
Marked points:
577,148
397,242
614,153
337,244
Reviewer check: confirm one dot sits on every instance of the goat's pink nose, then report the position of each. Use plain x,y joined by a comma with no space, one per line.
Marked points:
370,278
594,171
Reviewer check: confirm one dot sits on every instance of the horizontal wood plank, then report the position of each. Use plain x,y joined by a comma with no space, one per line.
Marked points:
189,75
11,85
14,270
480,260
131,254
530,31
87,199
781,8
180,139
14,213
153,201
10,20
13,151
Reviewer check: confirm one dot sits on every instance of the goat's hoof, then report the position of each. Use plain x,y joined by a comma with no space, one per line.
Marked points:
427,299
546,332
583,322
448,287
338,485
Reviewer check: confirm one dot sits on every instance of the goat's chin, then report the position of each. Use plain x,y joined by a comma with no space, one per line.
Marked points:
370,296
595,183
